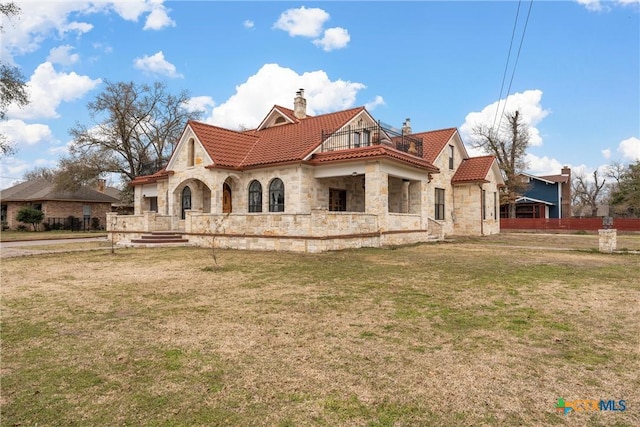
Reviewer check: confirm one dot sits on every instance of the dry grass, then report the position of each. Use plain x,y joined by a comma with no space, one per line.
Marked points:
473,333
12,236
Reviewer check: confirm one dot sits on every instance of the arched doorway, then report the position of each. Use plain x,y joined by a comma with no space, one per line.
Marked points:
186,200
226,198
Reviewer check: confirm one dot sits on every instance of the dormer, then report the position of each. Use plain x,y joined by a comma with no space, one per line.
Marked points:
276,117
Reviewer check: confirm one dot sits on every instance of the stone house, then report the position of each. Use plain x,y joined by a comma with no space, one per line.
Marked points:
315,183
58,206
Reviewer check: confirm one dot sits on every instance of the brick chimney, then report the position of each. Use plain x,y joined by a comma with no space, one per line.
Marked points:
566,193
406,127
300,105
101,185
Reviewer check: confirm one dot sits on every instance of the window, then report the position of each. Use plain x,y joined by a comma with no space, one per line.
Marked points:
37,206
153,204
276,196
337,200
495,205
356,139
484,204
451,157
366,137
190,152
255,196
439,206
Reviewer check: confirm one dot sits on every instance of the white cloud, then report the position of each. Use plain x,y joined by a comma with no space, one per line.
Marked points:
527,103
48,88
592,5
273,84
13,169
630,149
40,20
200,103
542,165
62,55
302,21
378,100
248,24
334,38
19,132
156,64
606,153
605,5
158,18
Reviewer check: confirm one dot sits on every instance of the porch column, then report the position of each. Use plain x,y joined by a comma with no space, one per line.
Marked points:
405,196
376,196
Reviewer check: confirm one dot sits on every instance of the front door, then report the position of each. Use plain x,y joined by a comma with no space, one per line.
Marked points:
186,200
226,198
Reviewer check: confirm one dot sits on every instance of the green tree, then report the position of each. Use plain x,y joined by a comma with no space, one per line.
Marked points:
29,215
625,198
135,128
13,89
509,145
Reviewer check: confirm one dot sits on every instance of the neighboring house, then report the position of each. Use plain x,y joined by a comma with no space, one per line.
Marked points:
305,183
546,196
57,206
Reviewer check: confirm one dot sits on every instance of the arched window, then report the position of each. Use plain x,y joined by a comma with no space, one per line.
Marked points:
276,196
191,152
186,200
255,196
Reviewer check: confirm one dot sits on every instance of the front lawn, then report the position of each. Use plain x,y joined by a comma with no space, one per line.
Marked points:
440,334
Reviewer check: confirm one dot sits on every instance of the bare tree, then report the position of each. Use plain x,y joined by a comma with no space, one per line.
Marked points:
508,145
588,193
135,128
13,89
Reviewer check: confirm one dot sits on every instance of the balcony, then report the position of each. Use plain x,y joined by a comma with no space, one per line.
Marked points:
357,137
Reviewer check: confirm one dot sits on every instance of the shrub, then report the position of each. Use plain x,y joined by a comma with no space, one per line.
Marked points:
29,215
95,223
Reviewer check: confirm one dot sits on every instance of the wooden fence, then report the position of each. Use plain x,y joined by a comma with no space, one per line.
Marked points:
567,224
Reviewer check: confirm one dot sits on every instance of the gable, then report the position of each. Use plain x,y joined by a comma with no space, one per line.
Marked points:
277,116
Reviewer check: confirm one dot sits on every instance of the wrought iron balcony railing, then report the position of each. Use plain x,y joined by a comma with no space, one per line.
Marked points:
356,137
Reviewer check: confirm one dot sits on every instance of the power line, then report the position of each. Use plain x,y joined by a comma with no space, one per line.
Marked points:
524,30
506,65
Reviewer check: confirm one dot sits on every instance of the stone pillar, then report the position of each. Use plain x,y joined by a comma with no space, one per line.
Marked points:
405,196
607,240
376,199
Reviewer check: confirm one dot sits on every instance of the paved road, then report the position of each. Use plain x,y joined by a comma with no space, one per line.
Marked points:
13,249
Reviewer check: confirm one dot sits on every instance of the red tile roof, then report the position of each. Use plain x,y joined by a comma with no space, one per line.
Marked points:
374,151
473,169
227,148
295,141
433,142
149,179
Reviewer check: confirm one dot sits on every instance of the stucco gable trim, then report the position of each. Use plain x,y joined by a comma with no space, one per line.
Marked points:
271,118
187,134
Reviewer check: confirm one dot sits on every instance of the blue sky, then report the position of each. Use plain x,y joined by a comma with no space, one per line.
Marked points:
441,64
